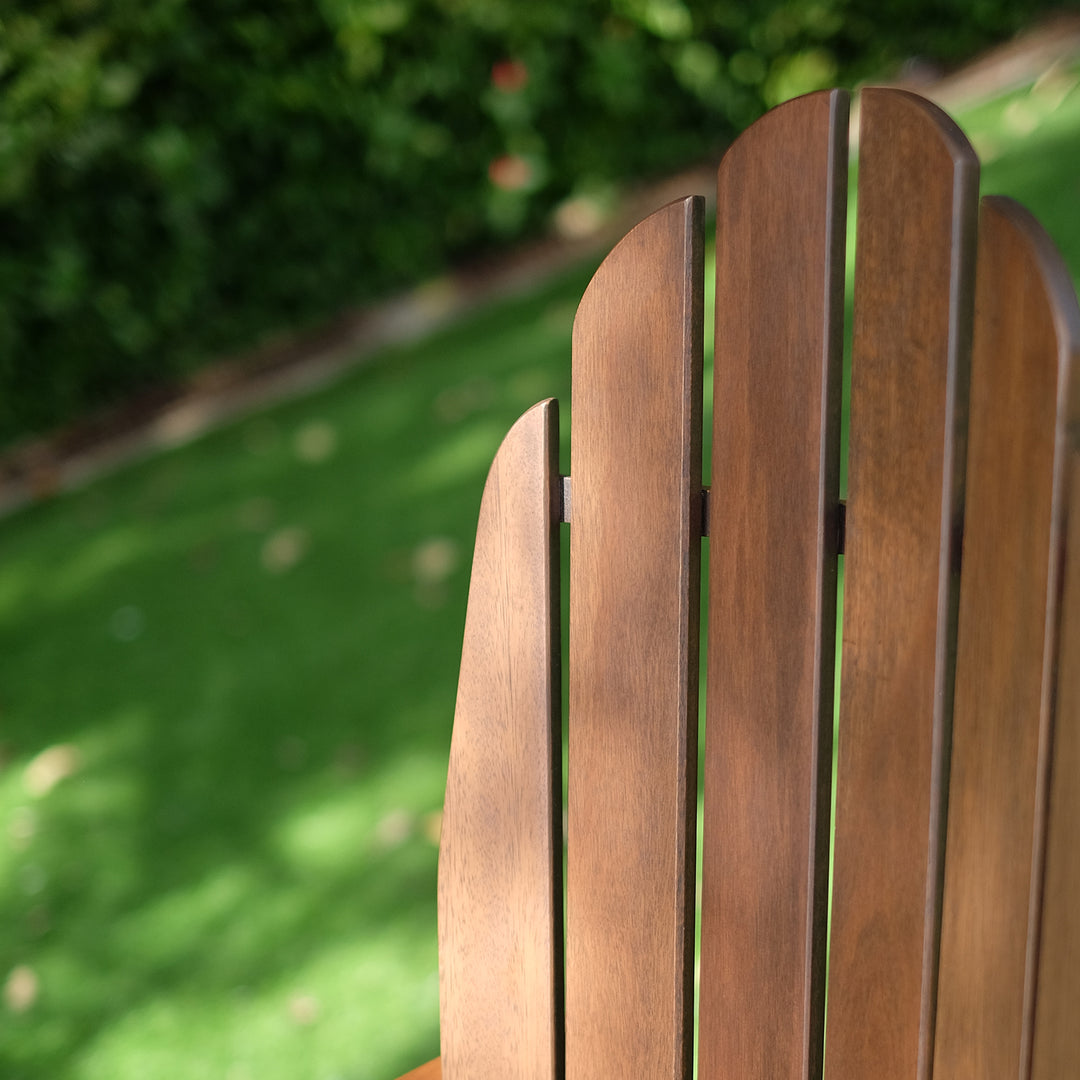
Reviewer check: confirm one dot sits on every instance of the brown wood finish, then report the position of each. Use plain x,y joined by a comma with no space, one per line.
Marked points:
772,605
634,566
914,277
500,858
1005,663
1054,980
1056,1042
431,1071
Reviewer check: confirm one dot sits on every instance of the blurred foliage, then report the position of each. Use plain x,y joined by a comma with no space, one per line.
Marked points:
180,178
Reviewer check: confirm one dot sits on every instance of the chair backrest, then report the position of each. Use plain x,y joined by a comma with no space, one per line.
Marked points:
953,942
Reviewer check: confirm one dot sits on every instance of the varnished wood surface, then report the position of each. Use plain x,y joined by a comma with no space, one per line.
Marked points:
1009,929
634,566
1056,1033
772,576
500,858
914,274
1055,982
431,1071
1007,633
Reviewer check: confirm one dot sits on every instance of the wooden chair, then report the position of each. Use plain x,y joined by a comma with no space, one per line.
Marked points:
953,946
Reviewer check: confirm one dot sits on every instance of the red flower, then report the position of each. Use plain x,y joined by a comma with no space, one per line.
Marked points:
510,172
509,76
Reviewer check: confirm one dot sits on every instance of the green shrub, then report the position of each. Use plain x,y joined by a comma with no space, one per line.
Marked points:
179,178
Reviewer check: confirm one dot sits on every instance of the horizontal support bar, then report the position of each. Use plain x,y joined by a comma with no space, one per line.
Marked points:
706,509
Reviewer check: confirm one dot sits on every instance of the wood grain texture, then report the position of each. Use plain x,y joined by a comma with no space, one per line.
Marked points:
431,1071
634,584
1005,653
1056,1033
500,857
781,210
914,278
1054,979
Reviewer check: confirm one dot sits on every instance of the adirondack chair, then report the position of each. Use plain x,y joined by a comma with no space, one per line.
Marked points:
953,945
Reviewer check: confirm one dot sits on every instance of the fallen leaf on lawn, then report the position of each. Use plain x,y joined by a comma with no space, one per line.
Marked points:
50,767
21,989
304,1009
315,442
284,549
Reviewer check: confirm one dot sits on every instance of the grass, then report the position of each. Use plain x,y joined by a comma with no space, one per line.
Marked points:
227,688
228,685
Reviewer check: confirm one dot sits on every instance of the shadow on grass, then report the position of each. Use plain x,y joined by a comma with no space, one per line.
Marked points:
228,687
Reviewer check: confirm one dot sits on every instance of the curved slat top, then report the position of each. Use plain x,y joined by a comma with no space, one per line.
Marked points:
1051,1035
914,278
1013,535
500,855
634,555
781,209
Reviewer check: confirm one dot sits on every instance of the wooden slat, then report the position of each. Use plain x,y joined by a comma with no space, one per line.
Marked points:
772,603
500,857
1056,1033
1005,666
1054,978
914,277
634,565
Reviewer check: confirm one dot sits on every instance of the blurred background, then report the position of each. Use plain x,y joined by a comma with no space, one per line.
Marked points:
230,625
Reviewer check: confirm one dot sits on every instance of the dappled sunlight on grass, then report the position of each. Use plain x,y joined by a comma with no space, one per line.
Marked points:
460,455
229,684
1033,139
109,553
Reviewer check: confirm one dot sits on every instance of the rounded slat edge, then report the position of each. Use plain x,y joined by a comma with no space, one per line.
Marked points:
938,129
1050,1040
913,304
781,215
500,854
633,625
683,214
807,108
1009,582
1004,212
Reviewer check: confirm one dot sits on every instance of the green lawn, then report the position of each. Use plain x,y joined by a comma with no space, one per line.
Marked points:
226,695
